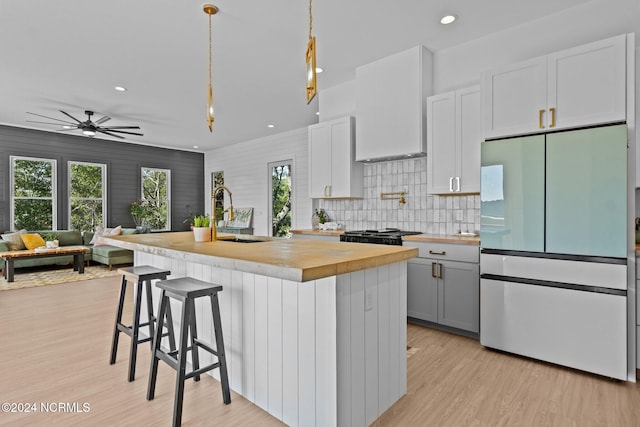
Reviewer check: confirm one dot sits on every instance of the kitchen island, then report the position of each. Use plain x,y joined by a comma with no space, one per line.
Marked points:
315,331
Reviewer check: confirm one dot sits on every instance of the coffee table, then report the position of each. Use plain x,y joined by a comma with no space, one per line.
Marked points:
77,252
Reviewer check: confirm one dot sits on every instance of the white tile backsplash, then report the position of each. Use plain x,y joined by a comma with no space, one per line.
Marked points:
422,212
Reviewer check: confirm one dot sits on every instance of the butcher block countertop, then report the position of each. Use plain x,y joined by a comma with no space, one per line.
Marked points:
319,232
443,238
298,260
430,238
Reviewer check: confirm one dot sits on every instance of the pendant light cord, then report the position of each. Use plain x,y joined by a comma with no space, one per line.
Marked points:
310,20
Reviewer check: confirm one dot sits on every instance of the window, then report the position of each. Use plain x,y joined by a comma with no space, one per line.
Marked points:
156,189
217,178
280,202
87,195
33,193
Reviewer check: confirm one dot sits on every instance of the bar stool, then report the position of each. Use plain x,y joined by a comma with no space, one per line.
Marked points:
187,289
142,274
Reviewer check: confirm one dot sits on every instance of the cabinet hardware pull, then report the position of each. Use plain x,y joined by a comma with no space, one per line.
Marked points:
437,252
458,184
540,114
451,184
439,271
553,117
433,269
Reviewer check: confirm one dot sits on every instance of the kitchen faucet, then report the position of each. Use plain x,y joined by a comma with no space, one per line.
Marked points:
214,231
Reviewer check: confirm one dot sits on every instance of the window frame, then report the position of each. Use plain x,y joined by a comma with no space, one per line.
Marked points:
168,173
54,189
103,166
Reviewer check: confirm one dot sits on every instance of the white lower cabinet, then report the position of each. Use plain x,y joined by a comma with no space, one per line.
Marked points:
443,285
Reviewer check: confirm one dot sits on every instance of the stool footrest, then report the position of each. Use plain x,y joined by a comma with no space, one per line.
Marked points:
201,370
205,346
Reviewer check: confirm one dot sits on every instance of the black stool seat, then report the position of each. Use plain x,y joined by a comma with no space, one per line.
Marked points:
141,275
187,289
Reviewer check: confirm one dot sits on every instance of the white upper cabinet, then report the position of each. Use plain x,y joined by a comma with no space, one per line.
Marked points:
390,95
576,87
333,173
454,134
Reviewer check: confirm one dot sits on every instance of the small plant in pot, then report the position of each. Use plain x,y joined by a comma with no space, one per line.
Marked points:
51,240
201,228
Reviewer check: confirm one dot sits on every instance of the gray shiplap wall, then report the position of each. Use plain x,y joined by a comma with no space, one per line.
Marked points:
123,162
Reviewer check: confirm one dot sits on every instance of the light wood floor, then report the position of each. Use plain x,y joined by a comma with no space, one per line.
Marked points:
55,341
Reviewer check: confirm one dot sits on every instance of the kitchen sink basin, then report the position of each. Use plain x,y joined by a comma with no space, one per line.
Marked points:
239,240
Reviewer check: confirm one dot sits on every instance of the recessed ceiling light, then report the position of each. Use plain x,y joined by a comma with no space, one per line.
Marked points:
196,146
448,19
319,70
317,113
271,126
120,88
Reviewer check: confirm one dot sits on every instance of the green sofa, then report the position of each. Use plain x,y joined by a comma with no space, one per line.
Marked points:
108,255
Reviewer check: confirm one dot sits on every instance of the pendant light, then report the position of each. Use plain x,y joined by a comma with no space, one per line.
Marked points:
210,10
311,60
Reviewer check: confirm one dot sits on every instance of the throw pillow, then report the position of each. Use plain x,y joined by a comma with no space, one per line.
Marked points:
14,240
101,231
32,241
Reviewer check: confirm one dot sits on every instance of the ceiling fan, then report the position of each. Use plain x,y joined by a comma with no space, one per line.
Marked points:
88,127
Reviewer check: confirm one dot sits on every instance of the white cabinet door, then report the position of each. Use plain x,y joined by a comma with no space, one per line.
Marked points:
459,295
341,158
513,97
390,94
422,289
587,84
333,173
581,86
454,135
468,138
319,159
442,158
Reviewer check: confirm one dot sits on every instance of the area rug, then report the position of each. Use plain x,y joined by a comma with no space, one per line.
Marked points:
24,278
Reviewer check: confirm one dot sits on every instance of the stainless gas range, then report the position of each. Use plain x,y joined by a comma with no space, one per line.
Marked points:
386,236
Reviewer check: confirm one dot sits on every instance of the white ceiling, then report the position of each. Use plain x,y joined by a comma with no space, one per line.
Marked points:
69,55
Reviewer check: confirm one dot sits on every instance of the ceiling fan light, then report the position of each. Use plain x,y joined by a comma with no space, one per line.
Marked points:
89,132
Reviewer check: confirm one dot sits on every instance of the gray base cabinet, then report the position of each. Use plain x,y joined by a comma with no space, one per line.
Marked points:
443,285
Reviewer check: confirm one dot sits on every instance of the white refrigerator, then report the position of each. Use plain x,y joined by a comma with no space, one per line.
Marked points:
553,263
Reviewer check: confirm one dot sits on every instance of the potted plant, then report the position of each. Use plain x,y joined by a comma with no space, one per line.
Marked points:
319,217
201,228
50,240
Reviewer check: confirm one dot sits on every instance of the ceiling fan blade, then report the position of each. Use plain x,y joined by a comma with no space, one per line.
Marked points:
118,131
120,127
109,133
65,130
102,120
55,124
69,115
50,118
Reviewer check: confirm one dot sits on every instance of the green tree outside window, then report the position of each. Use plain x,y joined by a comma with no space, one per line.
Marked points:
33,193
86,196
156,191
